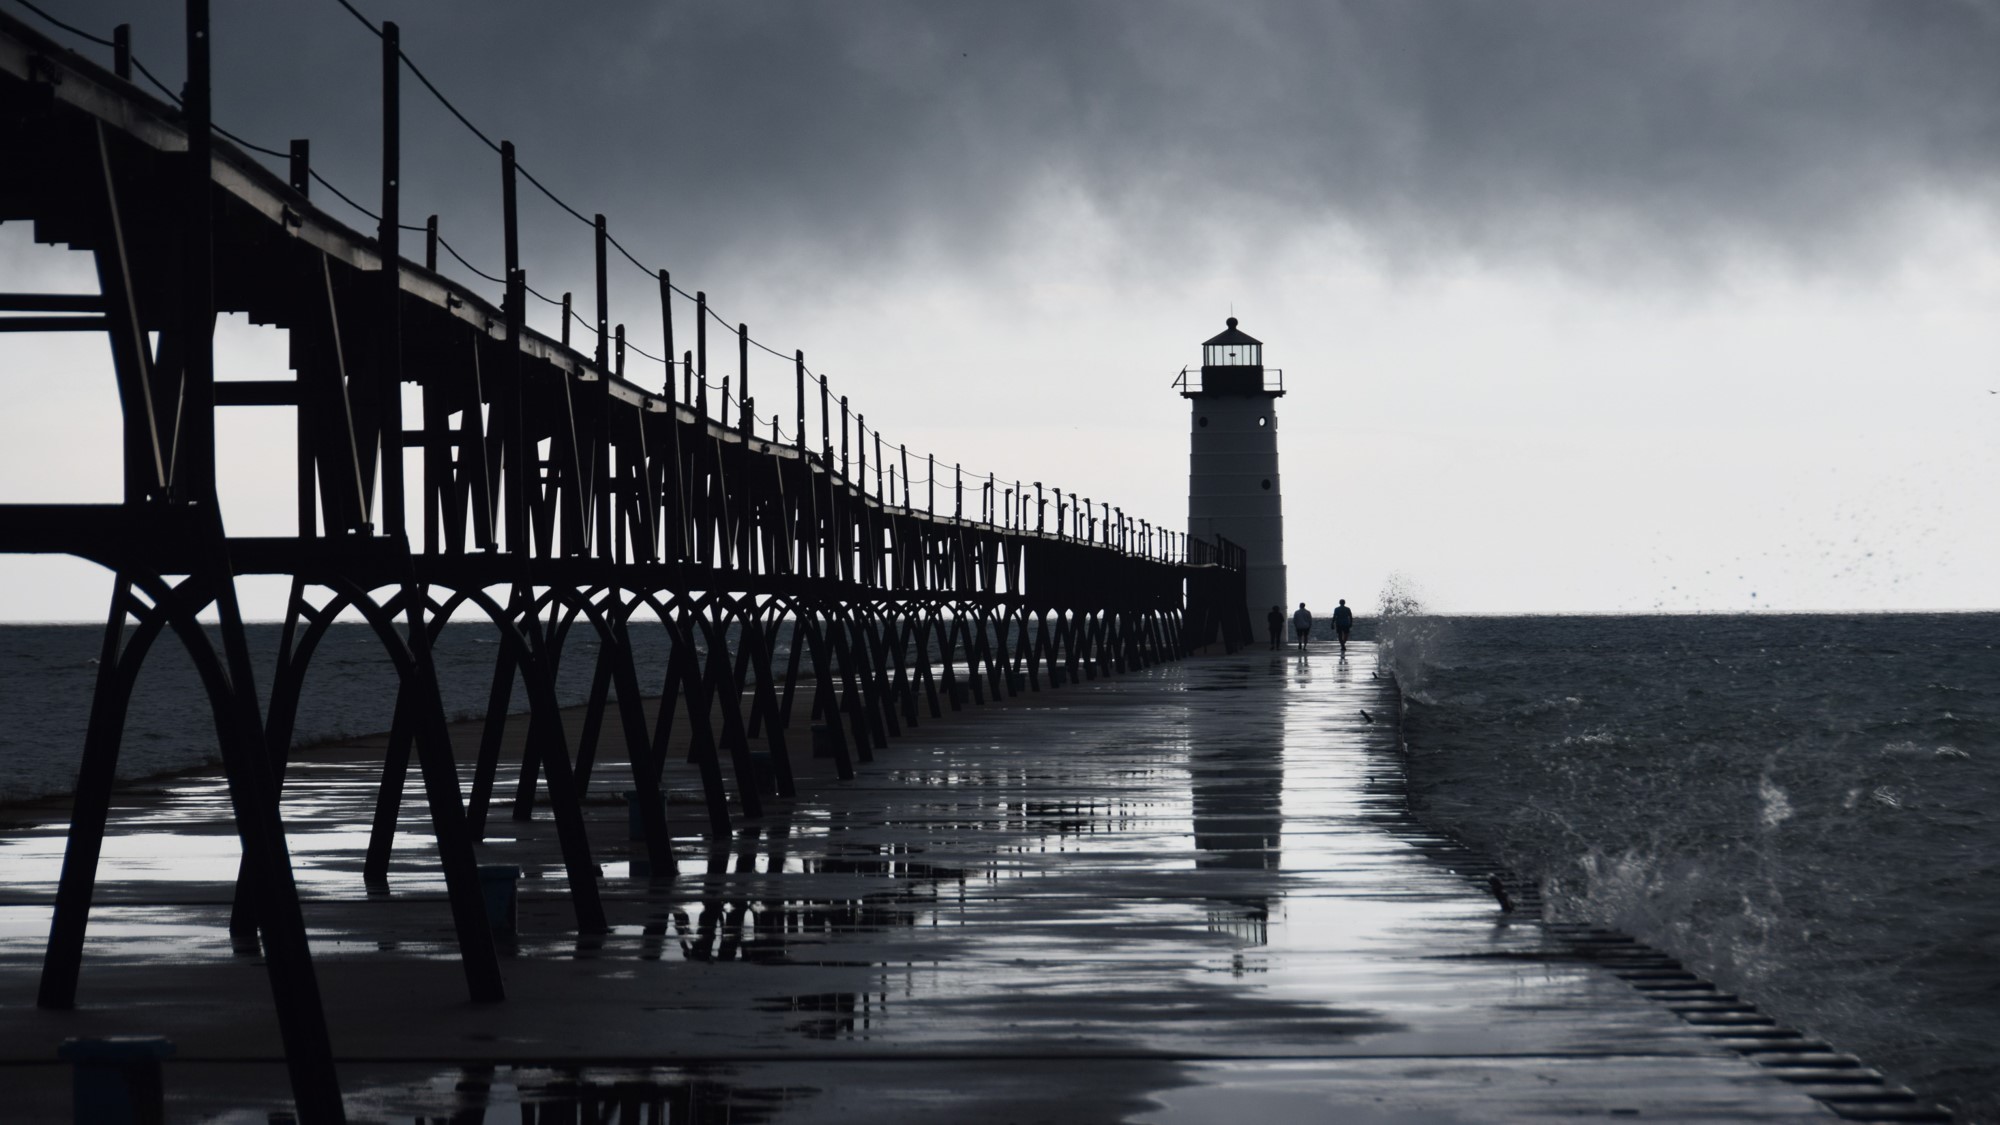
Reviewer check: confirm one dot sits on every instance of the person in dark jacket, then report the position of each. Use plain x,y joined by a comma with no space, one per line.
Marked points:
1302,624
1276,620
1343,623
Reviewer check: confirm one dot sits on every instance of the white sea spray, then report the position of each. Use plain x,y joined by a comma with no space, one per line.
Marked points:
1777,805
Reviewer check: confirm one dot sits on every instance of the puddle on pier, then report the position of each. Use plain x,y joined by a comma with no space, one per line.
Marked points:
829,1015
529,1095
744,905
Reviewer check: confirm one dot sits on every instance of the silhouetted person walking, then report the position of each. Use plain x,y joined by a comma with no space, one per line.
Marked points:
1302,624
1343,623
1276,620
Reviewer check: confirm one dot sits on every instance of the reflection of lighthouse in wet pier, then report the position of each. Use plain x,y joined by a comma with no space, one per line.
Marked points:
1237,786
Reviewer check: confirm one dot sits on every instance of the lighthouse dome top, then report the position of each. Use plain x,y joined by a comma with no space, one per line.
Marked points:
1232,347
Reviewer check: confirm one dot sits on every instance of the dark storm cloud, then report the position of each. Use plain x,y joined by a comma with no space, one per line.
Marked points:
1654,134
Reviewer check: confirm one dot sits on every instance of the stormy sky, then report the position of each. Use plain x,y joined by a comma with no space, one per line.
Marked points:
1581,305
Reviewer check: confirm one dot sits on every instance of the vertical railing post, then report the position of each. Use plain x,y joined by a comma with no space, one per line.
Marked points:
510,215
1039,502
618,350
701,352
121,51
905,451
566,313
521,469
748,420
301,169
602,240
667,328
799,375
844,418
878,467
825,427
390,371
861,442
514,485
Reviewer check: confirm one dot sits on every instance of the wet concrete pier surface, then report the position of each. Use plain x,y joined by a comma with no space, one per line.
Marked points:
1188,894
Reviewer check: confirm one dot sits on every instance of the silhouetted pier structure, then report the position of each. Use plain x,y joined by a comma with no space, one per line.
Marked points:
550,494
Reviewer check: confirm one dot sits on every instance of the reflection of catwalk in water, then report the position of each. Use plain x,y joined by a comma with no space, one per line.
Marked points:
1236,773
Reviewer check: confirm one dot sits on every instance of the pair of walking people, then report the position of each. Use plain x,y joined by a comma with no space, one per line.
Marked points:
1302,623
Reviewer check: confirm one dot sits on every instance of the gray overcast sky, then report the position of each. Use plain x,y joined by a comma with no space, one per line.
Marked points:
1582,305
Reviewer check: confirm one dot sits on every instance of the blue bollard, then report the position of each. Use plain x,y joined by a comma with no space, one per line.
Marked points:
117,1079
497,886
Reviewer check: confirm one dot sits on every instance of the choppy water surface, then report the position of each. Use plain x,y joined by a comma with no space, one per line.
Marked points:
1805,808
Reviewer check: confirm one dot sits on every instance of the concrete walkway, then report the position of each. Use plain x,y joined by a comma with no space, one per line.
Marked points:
1183,895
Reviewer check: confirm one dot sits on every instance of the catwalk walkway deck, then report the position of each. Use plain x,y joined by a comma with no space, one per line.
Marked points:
1188,894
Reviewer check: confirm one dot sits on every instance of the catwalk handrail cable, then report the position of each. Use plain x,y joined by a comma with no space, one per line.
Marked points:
563,204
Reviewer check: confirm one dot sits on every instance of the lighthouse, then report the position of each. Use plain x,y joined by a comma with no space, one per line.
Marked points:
1233,460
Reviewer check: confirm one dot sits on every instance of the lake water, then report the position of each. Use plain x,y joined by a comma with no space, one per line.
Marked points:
1806,809
48,672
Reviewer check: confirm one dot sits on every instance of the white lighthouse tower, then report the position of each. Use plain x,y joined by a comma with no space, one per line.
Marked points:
1233,467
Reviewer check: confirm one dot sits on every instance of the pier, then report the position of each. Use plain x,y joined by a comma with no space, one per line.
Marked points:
1182,895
